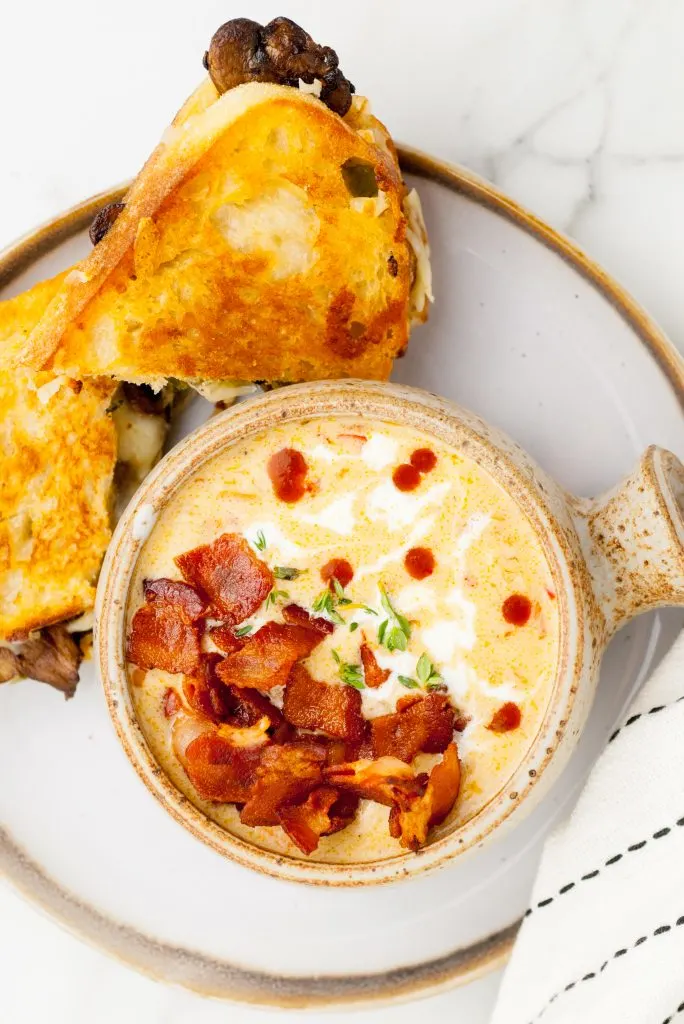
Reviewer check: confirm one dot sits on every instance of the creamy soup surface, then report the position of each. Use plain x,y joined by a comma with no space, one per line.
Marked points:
485,615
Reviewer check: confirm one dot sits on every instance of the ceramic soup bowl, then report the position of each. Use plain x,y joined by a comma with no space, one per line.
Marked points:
609,559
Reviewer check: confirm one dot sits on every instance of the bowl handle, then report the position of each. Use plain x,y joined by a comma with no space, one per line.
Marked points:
633,539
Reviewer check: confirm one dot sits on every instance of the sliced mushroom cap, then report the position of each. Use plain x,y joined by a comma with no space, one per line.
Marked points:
236,55
103,221
53,658
241,50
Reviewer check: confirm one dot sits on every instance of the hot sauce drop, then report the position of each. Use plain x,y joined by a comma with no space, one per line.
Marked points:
424,460
406,477
338,569
287,470
507,717
419,563
517,609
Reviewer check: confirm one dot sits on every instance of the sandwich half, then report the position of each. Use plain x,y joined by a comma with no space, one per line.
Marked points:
267,238
72,453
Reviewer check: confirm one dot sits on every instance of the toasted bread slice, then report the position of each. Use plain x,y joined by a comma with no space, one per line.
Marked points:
61,443
59,450
265,239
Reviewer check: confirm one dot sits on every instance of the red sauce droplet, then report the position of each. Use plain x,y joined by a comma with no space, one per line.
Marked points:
517,609
338,569
506,718
419,563
406,477
424,460
287,470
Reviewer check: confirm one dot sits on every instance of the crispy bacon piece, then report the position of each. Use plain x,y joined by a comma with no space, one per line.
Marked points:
204,691
505,718
311,704
343,811
219,769
229,572
225,639
208,695
161,637
286,775
372,673
387,780
185,599
410,823
324,811
267,656
297,616
171,702
248,706
425,724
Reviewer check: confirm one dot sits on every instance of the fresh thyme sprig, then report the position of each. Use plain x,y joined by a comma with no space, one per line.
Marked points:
351,675
286,572
408,682
394,631
427,674
327,602
339,592
260,541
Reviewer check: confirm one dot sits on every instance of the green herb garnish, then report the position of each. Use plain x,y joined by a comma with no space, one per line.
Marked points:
276,595
408,682
285,572
339,592
351,675
325,602
260,542
243,631
353,626
427,673
394,631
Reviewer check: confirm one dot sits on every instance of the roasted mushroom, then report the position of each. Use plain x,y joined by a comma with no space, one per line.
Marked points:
241,50
53,657
103,221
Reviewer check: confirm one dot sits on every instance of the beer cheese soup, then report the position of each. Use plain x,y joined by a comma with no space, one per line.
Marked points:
342,634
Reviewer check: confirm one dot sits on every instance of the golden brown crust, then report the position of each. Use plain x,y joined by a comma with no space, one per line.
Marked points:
58,454
236,241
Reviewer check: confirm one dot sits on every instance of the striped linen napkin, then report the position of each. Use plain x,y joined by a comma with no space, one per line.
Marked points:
603,938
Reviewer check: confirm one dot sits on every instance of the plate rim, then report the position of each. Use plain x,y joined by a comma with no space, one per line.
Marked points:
232,982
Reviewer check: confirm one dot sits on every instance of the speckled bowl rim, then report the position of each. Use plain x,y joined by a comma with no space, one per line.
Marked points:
221,979
432,416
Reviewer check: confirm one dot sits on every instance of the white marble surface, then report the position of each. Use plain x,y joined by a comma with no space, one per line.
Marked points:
572,106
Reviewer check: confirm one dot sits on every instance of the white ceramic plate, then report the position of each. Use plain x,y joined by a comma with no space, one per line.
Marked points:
532,336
